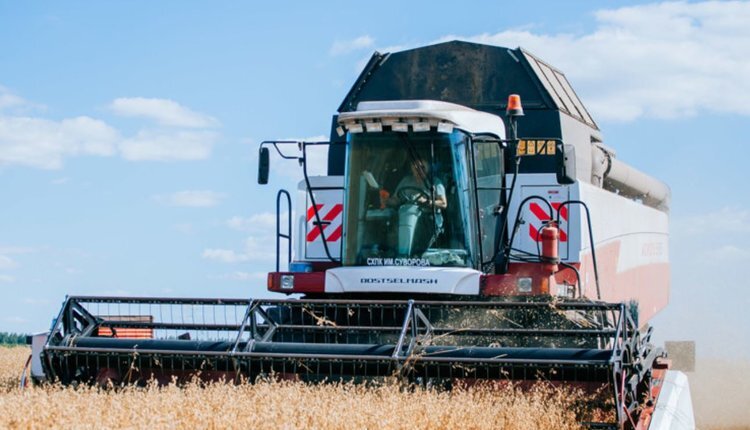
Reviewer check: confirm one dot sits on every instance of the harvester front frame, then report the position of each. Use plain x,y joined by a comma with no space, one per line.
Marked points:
131,340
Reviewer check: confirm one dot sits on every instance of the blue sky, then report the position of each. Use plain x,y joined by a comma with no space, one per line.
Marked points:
128,134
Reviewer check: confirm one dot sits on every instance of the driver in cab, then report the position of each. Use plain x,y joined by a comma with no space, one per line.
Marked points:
415,188
416,195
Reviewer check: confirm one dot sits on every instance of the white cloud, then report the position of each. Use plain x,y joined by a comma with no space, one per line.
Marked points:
728,254
260,222
717,239
662,60
149,145
246,276
347,46
191,198
9,100
223,255
250,223
163,111
255,250
16,250
44,144
731,220
7,263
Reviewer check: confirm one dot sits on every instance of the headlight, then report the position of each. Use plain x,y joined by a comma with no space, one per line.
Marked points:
523,285
287,282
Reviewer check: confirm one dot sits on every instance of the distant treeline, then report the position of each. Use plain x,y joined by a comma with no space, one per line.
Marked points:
12,339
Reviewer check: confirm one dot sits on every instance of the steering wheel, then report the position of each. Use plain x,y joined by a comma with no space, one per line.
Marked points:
411,194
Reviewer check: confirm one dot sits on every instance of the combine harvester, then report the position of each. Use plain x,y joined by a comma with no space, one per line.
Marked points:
445,245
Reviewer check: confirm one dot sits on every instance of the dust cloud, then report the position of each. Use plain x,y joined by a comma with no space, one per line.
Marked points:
721,394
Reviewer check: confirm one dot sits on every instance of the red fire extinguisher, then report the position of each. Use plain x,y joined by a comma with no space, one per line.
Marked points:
550,236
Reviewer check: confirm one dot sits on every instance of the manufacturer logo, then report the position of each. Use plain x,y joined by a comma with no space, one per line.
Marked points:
410,281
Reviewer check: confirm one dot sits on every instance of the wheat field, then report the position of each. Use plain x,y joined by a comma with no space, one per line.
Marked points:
290,405
282,405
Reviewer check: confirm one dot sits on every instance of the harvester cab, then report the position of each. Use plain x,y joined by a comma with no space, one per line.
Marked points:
455,237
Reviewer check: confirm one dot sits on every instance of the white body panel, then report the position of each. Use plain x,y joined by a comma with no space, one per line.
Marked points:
643,231
545,186
632,250
330,208
631,239
674,407
394,279
37,345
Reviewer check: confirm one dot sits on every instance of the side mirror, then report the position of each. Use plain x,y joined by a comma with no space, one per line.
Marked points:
263,165
566,169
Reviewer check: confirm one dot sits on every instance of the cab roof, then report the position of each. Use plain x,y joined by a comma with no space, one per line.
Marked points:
461,117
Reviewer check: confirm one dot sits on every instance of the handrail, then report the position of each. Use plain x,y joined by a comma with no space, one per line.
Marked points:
279,234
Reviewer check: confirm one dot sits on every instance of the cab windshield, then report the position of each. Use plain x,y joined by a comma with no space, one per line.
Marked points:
406,200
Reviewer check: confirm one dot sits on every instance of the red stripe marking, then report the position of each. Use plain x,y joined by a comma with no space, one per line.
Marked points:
330,216
540,213
534,233
563,213
333,213
336,235
313,234
311,211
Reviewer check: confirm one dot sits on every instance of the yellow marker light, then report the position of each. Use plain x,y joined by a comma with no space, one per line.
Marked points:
521,150
536,147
